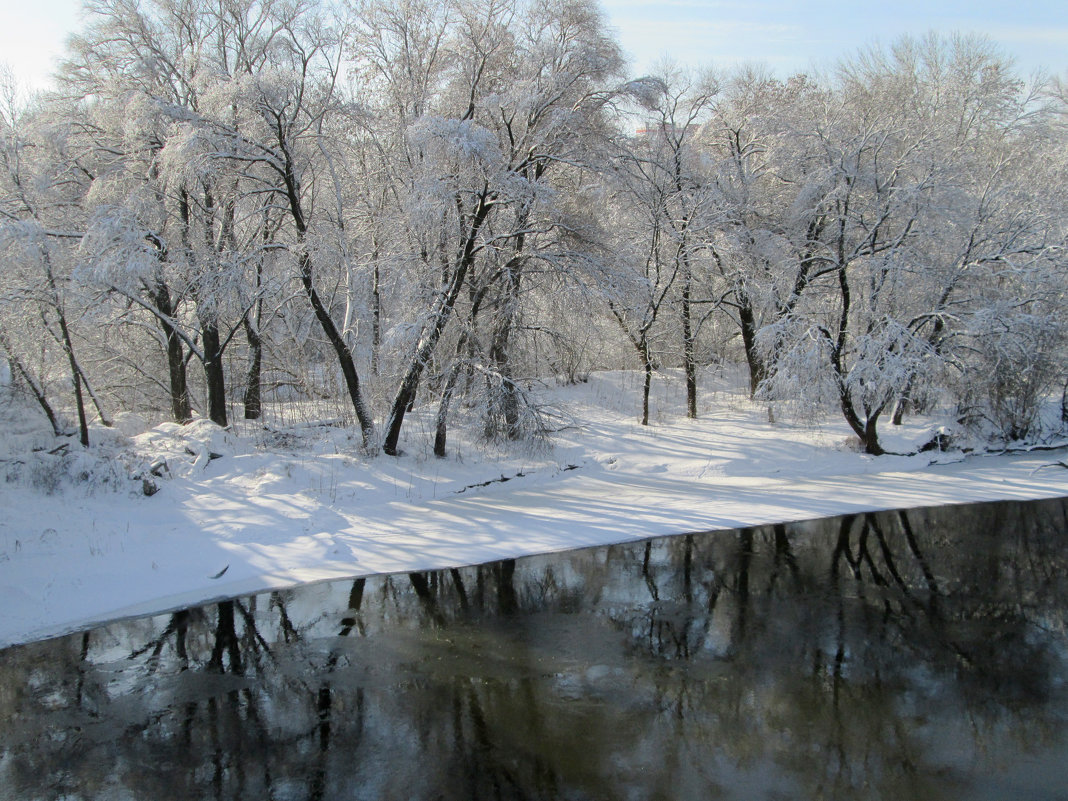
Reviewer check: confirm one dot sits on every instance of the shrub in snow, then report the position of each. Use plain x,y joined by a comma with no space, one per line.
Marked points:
67,466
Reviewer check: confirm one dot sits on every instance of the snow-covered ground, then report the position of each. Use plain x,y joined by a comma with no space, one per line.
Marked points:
80,542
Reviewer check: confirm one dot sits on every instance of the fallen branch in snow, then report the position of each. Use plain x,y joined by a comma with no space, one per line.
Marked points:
1051,464
503,479
500,480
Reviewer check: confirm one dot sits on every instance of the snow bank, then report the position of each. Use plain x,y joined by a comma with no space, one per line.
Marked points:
238,513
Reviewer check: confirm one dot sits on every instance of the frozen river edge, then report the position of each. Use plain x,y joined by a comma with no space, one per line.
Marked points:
108,557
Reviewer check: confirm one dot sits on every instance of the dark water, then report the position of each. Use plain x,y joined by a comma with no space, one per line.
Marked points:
912,655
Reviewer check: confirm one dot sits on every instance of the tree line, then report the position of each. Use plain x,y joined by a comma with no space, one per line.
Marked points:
384,206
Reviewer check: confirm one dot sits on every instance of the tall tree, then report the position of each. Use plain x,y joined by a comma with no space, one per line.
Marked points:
914,248
498,97
664,189
39,222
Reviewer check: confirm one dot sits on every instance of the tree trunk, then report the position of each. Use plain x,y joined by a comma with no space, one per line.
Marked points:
253,383
76,378
104,419
83,424
902,404
647,366
213,373
405,397
253,399
500,346
439,317
341,349
1064,403
689,358
167,310
866,429
376,317
441,423
682,263
871,436
442,420
757,371
38,392
68,348
899,411
179,384
322,314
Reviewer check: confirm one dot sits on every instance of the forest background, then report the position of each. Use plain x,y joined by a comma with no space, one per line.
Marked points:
288,210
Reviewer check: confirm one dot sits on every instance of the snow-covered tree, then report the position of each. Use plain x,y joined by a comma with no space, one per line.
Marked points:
659,201
401,204
479,104
163,229
762,240
40,223
911,164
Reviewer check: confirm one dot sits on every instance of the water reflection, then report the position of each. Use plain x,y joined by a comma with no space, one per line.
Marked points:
899,655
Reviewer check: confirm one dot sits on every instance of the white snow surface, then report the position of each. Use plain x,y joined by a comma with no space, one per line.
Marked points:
81,543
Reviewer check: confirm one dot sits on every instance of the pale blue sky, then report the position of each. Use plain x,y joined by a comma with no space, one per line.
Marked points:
785,35
789,36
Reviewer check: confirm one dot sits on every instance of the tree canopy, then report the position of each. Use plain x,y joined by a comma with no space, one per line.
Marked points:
381,206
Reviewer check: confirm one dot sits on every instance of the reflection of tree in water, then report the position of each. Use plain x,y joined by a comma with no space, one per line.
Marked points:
840,688
869,656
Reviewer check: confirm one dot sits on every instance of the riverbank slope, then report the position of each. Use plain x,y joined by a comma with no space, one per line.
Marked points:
234,512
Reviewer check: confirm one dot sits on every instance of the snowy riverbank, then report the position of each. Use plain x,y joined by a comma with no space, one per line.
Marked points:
80,542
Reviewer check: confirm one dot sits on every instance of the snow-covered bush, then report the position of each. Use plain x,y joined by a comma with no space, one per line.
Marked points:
1013,378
